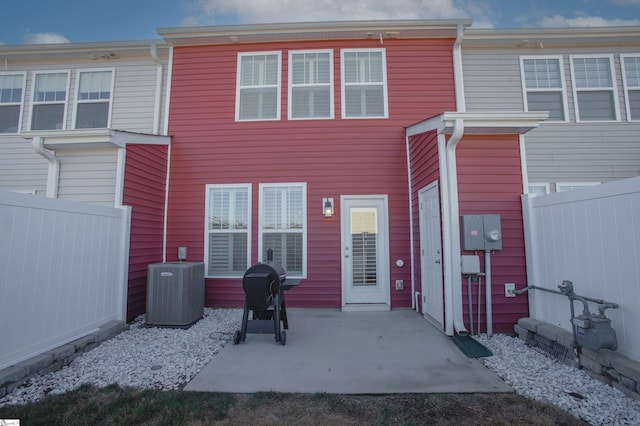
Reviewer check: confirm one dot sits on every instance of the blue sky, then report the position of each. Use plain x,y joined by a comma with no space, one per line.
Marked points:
48,21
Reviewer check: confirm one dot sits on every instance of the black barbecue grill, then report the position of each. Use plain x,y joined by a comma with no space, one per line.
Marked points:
264,285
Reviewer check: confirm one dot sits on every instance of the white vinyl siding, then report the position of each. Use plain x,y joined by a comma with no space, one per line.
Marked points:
88,176
283,226
543,86
258,86
631,79
310,84
227,230
11,96
594,87
94,94
50,100
364,83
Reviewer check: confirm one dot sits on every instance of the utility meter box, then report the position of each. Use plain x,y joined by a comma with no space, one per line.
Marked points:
481,232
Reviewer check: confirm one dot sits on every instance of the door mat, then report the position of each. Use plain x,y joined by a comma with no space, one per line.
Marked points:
471,347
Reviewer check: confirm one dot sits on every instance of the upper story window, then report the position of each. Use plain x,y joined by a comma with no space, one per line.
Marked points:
11,90
258,86
631,79
283,226
94,99
49,100
543,84
364,83
310,84
227,230
594,88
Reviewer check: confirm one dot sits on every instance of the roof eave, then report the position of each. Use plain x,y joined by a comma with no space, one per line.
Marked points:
304,31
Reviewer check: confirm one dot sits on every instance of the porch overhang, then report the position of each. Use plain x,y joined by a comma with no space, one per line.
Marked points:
93,138
480,123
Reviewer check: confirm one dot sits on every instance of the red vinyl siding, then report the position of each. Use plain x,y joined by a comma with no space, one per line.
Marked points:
334,157
144,191
425,168
490,182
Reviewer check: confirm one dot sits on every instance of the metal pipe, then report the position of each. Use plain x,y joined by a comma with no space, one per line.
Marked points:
470,300
487,281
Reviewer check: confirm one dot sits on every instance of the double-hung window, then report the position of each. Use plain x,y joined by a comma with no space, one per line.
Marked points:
543,86
283,226
258,86
310,84
93,105
594,88
49,100
11,90
227,229
631,79
364,83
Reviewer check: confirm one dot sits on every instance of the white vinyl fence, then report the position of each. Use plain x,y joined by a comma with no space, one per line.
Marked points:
63,272
591,237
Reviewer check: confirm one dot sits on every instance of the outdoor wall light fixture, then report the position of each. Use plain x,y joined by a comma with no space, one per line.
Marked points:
327,207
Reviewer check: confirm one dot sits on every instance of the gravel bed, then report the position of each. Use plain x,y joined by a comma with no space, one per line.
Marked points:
535,374
167,358
142,357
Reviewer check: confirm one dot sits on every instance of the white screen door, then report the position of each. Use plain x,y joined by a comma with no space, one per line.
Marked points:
365,260
431,253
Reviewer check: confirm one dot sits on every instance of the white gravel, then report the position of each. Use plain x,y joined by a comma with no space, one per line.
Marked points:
141,357
167,358
535,374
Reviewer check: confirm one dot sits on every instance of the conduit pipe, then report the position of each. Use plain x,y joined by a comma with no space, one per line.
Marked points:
487,283
54,165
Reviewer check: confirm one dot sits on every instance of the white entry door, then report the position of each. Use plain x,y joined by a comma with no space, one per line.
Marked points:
365,253
431,253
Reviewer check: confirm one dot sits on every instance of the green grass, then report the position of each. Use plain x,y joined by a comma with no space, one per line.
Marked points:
117,406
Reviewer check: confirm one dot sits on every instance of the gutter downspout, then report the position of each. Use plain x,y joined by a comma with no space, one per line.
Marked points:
166,131
53,176
156,106
414,302
453,262
457,70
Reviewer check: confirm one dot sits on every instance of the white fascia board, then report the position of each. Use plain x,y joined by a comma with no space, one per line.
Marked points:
493,122
94,138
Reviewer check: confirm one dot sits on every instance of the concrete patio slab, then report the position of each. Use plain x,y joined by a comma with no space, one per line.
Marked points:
348,353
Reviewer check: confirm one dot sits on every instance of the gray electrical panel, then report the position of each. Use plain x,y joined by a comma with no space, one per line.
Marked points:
481,232
175,293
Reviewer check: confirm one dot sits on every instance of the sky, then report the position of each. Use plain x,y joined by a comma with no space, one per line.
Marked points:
63,21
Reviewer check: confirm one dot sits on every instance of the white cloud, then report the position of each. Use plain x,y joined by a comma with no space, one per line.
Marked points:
46,38
207,12
585,21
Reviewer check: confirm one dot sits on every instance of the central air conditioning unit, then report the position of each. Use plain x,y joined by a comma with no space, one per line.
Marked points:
175,293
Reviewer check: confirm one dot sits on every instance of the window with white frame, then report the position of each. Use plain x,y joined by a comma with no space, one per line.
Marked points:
283,226
594,88
364,83
543,85
93,104
11,91
258,86
539,189
49,100
227,230
310,84
570,186
631,80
